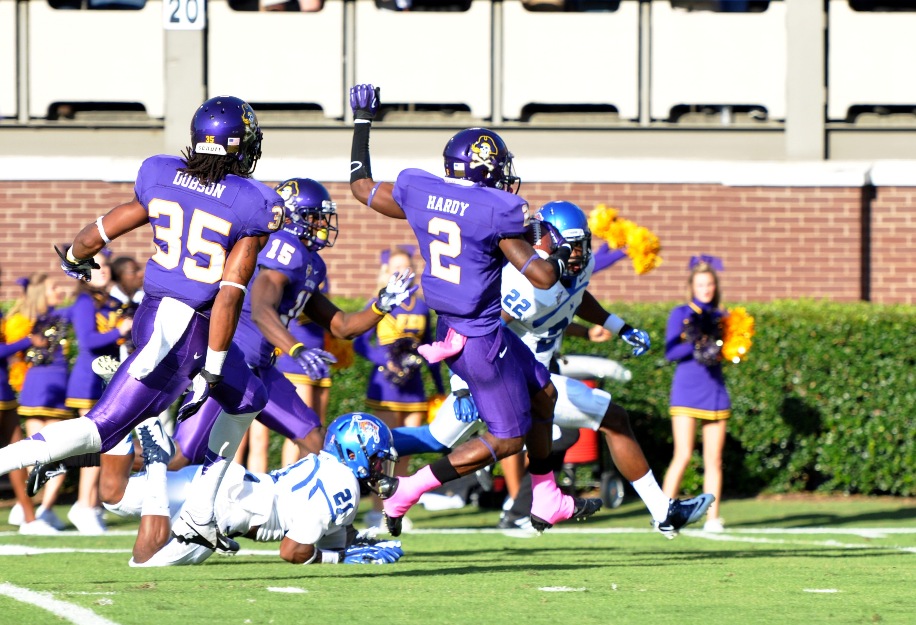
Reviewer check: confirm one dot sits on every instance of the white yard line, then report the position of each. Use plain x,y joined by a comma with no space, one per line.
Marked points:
852,531
68,611
733,535
831,544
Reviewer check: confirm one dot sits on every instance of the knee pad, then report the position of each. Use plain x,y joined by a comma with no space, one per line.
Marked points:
579,405
447,429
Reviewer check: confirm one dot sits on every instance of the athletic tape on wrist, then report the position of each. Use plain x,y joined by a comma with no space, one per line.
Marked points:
330,557
214,361
614,324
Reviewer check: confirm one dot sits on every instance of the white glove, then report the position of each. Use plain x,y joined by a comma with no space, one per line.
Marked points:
396,291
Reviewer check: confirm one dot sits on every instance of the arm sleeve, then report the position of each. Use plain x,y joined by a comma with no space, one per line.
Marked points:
82,316
8,349
676,350
605,257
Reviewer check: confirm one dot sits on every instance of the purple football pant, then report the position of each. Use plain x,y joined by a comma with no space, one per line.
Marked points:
285,413
127,401
502,375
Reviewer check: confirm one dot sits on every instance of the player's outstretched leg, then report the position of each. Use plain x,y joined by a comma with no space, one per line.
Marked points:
405,492
550,506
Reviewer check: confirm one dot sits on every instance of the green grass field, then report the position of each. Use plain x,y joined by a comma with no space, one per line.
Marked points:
797,560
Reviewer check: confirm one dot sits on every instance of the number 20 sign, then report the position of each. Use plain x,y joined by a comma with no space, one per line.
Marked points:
184,14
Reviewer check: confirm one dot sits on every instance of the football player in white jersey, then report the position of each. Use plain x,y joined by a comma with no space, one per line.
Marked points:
541,317
309,506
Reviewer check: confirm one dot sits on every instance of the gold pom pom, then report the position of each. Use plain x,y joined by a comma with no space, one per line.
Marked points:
435,402
642,245
737,332
341,349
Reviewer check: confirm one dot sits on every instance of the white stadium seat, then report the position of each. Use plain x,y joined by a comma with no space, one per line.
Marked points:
96,56
704,57
869,59
8,71
278,57
427,57
570,58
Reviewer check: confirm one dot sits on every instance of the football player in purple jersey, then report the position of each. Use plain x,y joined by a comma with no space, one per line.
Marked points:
468,224
209,220
285,284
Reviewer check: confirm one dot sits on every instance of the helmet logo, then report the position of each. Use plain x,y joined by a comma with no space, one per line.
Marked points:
483,151
288,192
367,429
248,117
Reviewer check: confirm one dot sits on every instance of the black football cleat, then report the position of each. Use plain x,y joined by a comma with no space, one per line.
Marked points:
394,524
41,473
226,546
683,512
584,508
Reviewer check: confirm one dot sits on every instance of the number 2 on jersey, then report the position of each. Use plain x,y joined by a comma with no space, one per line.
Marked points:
450,248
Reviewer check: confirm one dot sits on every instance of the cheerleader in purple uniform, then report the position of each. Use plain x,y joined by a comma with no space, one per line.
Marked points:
13,341
698,393
42,399
100,330
396,392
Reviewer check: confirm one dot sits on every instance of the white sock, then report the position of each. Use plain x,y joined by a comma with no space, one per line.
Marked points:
651,494
131,504
156,498
224,441
61,440
124,447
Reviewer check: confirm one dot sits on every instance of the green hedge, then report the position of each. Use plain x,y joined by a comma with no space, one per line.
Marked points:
825,401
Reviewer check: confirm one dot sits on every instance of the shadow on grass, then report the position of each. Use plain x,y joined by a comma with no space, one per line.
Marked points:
828,519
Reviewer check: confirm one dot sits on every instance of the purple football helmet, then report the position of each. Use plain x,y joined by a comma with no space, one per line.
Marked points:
227,125
310,213
481,156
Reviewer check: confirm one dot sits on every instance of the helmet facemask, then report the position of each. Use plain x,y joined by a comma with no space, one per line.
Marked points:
576,262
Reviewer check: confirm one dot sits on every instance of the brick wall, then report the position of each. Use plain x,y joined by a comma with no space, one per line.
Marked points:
893,241
776,242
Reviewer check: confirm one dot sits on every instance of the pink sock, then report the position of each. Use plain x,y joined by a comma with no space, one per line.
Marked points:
548,503
409,490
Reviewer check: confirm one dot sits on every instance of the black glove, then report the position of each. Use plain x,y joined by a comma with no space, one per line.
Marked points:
76,268
560,259
200,392
364,100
